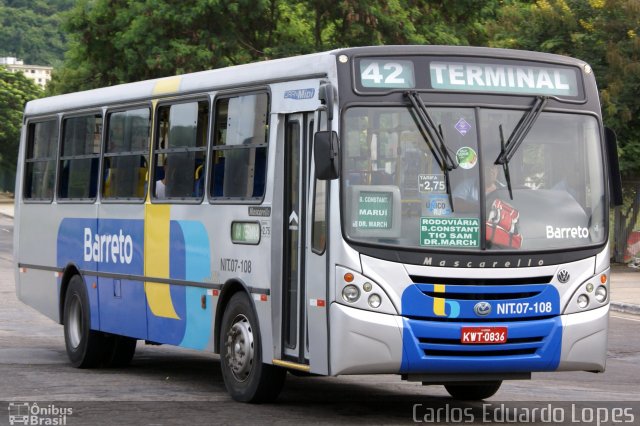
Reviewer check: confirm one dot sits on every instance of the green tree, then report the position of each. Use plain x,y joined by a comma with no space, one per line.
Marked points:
604,33
30,30
15,91
115,41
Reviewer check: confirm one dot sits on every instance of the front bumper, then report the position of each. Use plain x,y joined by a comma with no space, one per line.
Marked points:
364,342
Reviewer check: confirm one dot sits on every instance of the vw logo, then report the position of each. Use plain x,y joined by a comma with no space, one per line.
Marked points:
482,309
563,276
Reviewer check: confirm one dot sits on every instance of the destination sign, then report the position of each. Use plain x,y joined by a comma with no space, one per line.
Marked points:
449,232
387,74
374,210
552,81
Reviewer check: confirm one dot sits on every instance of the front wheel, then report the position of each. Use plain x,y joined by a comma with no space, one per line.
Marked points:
470,392
246,377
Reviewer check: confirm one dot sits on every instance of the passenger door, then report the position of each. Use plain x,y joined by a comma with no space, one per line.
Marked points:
304,325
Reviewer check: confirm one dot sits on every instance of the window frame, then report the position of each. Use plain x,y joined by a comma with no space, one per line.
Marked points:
212,147
103,152
155,151
26,160
61,158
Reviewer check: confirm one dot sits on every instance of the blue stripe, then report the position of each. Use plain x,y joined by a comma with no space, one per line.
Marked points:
198,268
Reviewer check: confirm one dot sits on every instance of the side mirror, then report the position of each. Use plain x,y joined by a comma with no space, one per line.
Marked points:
615,182
325,153
325,94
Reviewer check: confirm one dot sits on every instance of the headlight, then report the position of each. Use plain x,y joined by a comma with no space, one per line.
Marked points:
375,301
583,301
361,292
592,293
350,293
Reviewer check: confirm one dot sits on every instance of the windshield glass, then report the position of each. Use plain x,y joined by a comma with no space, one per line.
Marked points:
395,193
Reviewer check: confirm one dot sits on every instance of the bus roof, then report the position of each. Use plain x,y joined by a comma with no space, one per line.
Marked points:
313,65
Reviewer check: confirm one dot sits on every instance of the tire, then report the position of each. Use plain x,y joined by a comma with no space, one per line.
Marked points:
246,377
85,347
119,351
471,392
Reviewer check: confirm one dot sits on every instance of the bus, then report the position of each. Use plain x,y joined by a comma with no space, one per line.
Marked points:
439,213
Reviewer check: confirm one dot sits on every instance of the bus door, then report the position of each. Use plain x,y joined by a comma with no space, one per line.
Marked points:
304,272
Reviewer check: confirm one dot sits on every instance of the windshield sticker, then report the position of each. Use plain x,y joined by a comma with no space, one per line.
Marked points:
374,210
462,126
449,232
466,157
438,205
429,184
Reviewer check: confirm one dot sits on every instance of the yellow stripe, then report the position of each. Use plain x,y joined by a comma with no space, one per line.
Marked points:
439,303
167,85
292,365
156,259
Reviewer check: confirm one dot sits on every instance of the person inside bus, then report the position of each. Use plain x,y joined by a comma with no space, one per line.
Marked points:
466,194
161,184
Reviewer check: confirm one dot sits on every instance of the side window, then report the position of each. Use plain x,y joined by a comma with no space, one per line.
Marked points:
239,156
80,157
40,161
180,151
126,157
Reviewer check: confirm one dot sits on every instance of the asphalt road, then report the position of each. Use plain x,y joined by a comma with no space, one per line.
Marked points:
166,385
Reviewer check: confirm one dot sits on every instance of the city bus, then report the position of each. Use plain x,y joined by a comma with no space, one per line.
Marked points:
439,213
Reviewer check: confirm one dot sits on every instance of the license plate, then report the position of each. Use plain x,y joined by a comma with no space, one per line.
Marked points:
483,335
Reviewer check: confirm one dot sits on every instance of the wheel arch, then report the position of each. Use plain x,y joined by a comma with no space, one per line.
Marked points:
69,272
229,288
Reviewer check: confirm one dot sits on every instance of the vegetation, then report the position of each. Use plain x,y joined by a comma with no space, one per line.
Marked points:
15,91
115,41
112,41
30,30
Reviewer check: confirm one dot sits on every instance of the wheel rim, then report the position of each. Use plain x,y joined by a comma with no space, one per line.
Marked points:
74,322
239,348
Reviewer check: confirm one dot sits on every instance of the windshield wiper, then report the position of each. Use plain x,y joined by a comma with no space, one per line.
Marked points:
434,138
508,149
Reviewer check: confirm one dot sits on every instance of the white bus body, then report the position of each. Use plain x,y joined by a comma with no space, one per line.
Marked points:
192,211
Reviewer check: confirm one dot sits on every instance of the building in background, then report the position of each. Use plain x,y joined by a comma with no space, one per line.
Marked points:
40,74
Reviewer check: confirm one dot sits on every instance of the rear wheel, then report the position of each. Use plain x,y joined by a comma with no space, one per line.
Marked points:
246,377
85,347
476,391
119,351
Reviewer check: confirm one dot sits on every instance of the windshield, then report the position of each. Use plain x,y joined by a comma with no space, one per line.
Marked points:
395,192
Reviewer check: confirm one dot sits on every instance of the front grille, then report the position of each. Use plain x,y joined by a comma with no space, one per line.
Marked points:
482,296
417,279
445,341
479,353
